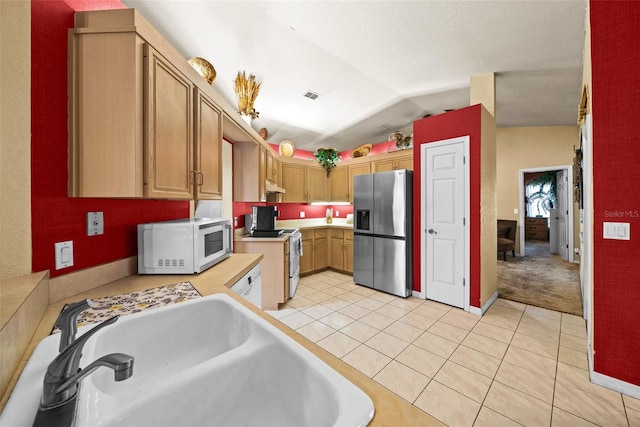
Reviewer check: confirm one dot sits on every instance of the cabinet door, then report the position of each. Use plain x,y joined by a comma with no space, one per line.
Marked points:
306,260
348,251
272,167
339,184
208,143
336,250
168,129
320,252
354,170
262,174
317,185
384,165
404,162
294,181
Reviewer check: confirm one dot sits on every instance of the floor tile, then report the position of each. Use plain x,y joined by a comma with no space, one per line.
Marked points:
337,320
402,380
501,320
490,418
634,418
573,320
351,297
354,311
297,320
560,418
409,303
540,322
418,321
367,360
526,381
364,291
336,303
573,342
387,344
392,311
338,344
334,291
315,331
382,297
463,380
319,297
283,312
518,406
377,320
513,305
505,311
447,405
476,361
573,357
300,302
542,312
431,311
458,319
536,345
421,360
486,345
448,331
436,344
370,303
631,402
570,376
317,311
578,331
534,362
404,331
588,406
494,332
359,331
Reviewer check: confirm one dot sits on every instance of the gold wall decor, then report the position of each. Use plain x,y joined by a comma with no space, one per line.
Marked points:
247,89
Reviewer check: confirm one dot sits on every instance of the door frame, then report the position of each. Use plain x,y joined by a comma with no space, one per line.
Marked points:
569,170
423,214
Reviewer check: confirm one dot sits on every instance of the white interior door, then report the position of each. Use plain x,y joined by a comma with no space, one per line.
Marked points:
562,213
444,205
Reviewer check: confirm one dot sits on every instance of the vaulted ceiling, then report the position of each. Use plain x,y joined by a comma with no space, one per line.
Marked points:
379,65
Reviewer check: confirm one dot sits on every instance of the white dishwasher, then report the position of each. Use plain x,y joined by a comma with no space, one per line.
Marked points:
250,286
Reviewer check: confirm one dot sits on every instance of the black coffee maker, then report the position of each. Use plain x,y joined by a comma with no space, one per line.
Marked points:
261,222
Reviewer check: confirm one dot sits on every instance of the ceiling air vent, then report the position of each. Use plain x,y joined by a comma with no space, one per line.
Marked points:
311,95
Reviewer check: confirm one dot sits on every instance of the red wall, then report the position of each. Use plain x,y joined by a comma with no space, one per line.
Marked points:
463,122
616,193
56,217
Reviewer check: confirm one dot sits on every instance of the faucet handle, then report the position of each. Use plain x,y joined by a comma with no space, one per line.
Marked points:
67,322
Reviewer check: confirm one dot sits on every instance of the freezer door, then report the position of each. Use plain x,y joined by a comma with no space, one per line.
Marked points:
363,260
391,203
363,203
392,272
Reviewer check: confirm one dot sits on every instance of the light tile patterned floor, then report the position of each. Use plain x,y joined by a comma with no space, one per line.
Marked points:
516,365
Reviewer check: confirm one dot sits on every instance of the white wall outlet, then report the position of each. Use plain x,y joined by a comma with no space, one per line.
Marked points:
617,230
301,214
64,254
337,214
515,211
95,223
235,221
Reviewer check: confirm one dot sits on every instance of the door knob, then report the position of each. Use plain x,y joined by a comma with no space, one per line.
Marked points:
432,231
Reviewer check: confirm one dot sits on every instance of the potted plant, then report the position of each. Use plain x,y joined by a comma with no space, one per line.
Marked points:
327,157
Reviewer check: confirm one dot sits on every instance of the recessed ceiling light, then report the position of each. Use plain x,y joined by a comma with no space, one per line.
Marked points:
384,126
311,95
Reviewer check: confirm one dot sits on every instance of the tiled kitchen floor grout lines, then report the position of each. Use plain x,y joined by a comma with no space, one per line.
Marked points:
516,365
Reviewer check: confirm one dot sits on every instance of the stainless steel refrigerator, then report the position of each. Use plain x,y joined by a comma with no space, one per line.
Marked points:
382,237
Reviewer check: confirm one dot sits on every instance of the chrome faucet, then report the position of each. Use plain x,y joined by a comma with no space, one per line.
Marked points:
59,394
67,322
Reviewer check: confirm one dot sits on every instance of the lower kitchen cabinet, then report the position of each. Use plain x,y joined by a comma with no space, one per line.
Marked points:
314,251
341,250
275,267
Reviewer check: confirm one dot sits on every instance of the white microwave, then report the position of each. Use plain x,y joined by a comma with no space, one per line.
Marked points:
183,246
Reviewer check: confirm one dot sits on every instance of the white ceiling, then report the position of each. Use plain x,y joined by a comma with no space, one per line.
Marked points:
380,65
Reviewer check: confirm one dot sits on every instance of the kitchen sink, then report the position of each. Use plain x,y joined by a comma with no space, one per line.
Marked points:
207,361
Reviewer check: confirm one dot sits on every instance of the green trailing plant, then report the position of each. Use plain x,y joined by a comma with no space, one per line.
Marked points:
327,157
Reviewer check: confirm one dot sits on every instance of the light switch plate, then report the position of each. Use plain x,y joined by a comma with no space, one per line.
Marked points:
64,254
617,230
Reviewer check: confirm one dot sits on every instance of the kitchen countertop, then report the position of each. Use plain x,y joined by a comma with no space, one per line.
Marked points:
390,409
313,223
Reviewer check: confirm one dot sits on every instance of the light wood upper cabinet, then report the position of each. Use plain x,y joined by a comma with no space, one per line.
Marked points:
294,181
142,123
249,173
317,185
393,163
208,142
339,184
272,168
357,169
168,153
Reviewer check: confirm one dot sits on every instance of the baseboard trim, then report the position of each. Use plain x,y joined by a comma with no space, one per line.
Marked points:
615,384
485,307
418,294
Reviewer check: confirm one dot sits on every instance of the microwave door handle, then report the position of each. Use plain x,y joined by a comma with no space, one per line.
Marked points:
228,226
